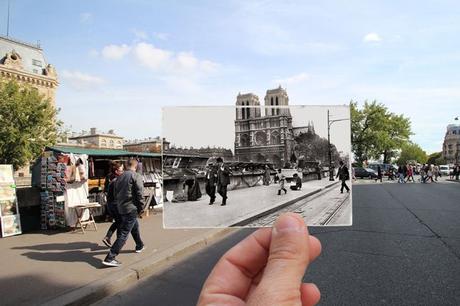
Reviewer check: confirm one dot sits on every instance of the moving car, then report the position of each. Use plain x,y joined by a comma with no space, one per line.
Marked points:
365,173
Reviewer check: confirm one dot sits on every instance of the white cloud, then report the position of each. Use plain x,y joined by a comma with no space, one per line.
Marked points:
293,79
170,62
86,17
150,56
115,52
372,38
81,81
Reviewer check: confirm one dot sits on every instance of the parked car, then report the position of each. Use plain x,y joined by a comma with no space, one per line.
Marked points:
365,173
384,167
444,170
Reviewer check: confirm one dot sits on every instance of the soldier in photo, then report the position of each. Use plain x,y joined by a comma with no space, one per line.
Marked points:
211,182
223,180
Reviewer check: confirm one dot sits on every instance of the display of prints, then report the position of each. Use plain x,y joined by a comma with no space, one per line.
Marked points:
9,213
8,207
7,192
6,174
11,225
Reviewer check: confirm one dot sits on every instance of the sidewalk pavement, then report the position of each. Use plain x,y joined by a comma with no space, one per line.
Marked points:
242,205
64,268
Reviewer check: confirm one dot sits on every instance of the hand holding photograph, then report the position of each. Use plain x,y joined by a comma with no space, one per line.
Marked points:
244,165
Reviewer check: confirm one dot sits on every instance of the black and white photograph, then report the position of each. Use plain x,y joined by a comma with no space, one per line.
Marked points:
244,165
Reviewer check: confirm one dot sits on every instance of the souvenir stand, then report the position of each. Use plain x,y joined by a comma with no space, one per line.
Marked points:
73,176
63,181
10,221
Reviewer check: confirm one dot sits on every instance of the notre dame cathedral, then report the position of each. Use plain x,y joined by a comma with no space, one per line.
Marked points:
267,137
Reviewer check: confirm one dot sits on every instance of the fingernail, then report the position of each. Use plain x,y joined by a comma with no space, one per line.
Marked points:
288,223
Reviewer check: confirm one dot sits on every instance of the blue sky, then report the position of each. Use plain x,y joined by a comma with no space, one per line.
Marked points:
120,61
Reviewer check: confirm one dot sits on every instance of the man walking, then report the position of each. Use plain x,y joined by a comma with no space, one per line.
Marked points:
128,192
223,179
343,175
210,182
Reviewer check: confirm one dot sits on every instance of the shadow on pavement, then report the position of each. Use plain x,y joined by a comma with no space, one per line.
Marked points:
70,252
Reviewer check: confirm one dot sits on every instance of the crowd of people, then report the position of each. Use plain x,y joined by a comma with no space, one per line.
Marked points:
405,173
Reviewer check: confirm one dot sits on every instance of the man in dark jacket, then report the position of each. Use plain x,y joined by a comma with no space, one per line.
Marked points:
343,175
297,181
223,179
210,182
128,192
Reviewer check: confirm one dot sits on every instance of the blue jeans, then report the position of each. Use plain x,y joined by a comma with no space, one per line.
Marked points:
113,212
128,225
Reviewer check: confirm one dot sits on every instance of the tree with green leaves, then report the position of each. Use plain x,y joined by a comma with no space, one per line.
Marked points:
27,124
376,132
436,159
411,152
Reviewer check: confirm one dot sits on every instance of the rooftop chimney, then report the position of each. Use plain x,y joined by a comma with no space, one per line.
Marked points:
93,131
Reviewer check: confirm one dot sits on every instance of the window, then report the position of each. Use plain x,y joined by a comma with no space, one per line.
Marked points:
36,63
112,143
247,110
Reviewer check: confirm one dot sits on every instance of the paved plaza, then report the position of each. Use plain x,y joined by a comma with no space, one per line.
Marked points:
242,204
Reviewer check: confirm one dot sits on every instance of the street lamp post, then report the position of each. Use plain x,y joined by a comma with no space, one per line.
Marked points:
329,123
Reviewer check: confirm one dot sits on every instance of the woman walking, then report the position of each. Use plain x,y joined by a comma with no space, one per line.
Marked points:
282,180
116,171
410,173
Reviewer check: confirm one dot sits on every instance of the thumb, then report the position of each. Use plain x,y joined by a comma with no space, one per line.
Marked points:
288,258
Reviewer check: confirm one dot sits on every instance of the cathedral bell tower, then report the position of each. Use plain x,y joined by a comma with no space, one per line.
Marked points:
247,106
274,98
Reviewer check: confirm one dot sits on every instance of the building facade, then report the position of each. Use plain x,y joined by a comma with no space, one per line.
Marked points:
96,139
153,145
26,64
267,137
451,145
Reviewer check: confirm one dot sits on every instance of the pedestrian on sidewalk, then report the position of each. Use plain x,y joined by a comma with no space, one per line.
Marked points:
210,182
297,181
429,173
267,173
410,173
379,174
457,171
344,176
401,175
223,180
281,182
436,172
115,171
128,191
422,174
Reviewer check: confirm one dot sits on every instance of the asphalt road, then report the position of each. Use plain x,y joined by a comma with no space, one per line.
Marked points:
403,249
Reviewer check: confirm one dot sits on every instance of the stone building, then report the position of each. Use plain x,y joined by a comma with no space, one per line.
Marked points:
98,140
267,137
451,145
153,145
26,64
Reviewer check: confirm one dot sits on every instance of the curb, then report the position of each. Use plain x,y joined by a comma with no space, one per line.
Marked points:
246,221
455,181
139,270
